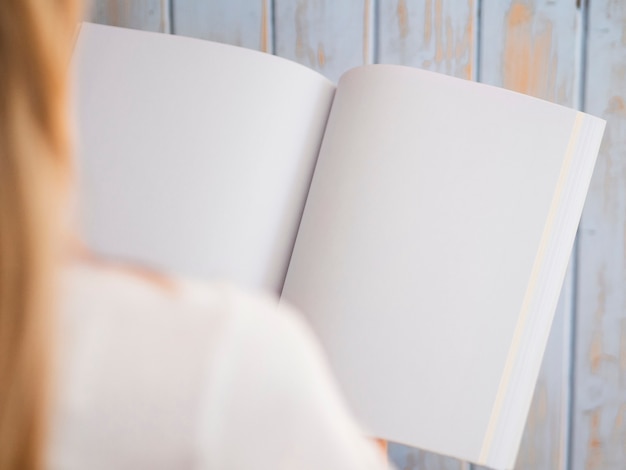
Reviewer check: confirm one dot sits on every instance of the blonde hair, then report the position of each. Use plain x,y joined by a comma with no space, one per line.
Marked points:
35,45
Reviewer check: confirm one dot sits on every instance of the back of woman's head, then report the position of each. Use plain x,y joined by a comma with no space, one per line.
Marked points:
35,46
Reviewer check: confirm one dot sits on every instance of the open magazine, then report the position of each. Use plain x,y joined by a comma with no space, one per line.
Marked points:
422,223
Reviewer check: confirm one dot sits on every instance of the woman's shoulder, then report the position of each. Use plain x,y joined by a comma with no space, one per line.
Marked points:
138,355
158,372
115,305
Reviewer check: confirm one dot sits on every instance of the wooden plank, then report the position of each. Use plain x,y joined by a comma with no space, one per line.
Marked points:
435,35
531,46
149,15
599,440
240,22
325,35
439,36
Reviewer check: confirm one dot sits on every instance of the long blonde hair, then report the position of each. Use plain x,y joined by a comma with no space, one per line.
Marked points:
35,45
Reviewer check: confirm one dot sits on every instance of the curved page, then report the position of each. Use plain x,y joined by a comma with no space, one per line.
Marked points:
419,245
194,156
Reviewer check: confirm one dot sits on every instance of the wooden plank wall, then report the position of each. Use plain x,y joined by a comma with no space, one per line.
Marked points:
599,430
572,52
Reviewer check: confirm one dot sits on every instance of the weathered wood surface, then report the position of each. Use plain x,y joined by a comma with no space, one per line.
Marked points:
599,431
440,36
325,35
246,23
149,15
531,46
434,35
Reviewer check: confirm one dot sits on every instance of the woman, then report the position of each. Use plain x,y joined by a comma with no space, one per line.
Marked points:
130,371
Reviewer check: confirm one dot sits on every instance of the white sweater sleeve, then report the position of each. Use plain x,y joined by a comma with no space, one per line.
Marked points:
273,403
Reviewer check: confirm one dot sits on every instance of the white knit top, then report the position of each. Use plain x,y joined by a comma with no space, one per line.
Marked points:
169,374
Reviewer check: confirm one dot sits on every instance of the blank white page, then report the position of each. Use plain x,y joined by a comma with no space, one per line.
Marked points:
420,233
194,156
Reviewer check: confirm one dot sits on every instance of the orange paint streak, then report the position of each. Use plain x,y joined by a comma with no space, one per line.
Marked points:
519,15
595,352
616,106
596,346
619,419
615,443
265,27
469,44
517,49
453,49
321,57
594,444
529,62
438,31
428,22
403,19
